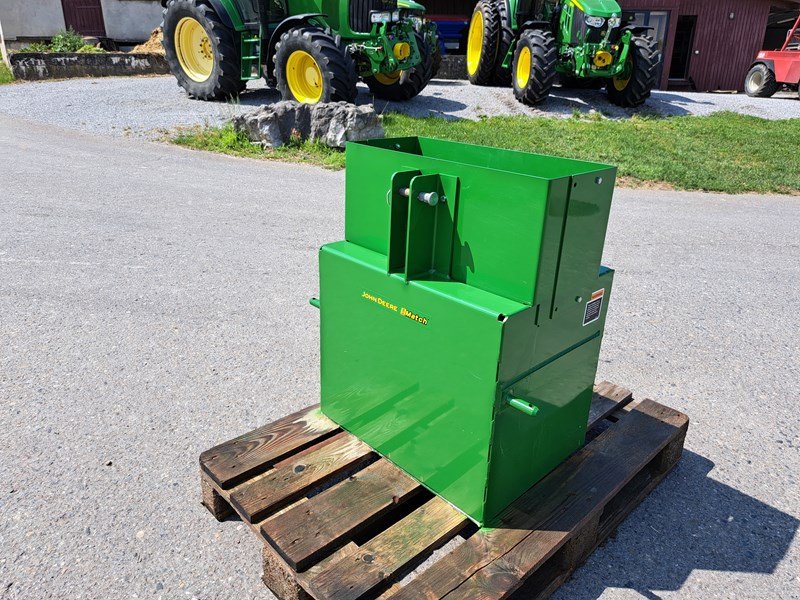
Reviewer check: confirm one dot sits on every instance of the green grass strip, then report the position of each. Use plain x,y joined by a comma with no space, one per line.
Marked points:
723,152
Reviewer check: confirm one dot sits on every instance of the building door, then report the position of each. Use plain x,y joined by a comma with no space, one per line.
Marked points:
85,17
682,50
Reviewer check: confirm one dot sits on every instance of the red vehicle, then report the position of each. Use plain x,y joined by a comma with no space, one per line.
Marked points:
775,68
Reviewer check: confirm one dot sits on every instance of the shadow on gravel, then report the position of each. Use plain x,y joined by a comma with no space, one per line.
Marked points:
690,522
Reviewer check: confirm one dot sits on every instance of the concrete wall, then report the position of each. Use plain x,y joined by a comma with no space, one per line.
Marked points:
131,20
126,20
31,19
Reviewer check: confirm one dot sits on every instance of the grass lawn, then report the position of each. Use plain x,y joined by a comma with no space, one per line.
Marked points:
5,74
724,152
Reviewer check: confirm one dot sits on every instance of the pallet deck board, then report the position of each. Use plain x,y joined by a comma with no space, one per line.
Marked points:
390,551
291,480
348,524
238,459
304,533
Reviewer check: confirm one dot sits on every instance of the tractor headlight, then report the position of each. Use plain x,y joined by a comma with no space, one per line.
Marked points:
595,21
380,17
614,22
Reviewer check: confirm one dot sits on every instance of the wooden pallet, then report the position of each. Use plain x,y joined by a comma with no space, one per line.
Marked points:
338,521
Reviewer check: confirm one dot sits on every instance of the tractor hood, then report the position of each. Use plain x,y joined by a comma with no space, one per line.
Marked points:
599,8
410,5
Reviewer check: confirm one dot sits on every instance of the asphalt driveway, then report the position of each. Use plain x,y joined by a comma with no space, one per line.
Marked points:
153,302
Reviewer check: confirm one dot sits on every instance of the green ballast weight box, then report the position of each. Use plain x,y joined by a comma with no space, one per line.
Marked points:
461,317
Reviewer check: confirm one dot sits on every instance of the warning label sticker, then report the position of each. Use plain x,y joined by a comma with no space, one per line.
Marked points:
593,307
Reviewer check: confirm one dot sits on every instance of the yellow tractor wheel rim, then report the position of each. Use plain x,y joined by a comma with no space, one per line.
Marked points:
304,77
475,42
388,78
194,50
523,72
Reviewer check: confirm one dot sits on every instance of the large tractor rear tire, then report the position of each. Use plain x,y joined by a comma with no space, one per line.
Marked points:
502,75
760,82
534,67
632,87
483,38
201,51
312,66
404,85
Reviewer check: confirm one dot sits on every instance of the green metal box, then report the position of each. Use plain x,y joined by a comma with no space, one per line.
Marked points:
462,315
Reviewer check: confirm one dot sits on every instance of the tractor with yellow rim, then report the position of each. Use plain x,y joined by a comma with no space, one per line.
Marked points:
585,43
311,50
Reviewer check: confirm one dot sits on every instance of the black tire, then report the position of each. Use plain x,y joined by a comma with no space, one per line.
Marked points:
502,76
580,83
760,82
225,80
411,81
336,66
636,89
543,56
480,68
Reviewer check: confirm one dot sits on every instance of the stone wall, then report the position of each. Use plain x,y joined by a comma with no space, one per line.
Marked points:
33,65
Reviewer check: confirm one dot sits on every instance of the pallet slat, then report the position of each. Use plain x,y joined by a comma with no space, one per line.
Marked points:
493,564
289,482
606,399
433,523
236,460
305,533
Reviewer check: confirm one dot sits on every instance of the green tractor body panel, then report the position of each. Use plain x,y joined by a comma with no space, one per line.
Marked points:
374,42
461,317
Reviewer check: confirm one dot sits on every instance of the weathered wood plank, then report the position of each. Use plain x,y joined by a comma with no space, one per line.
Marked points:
255,500
607,398
426,528
245,456
493,563
305,533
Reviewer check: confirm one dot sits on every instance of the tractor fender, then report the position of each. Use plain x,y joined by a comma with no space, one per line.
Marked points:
637,29
221,11
285,25
770,64
535,25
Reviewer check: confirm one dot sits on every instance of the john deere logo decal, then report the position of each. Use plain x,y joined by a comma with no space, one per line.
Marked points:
402,310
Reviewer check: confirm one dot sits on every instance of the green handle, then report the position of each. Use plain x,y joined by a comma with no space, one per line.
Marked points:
314,302
524,406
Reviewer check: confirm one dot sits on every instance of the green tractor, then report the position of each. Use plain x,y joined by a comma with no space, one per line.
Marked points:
527,43
311,50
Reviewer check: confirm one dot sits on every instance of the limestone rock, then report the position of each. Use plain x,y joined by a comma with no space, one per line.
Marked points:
332,123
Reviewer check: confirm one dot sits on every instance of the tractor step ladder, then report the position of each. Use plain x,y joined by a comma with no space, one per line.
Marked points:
251,56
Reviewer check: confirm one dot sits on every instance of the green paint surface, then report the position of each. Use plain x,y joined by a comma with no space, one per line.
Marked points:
435,316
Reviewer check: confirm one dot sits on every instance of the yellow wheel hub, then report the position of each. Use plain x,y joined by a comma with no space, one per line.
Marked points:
475,42
193,49
304,77
402,50
523,71
388,78
602,59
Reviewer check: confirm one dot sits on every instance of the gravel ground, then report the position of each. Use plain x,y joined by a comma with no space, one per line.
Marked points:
151,105
153,303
